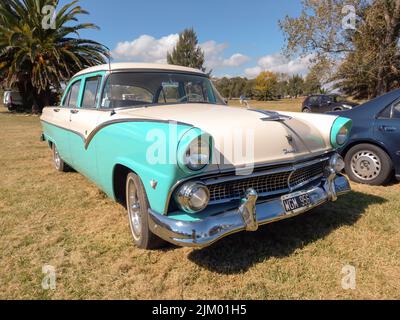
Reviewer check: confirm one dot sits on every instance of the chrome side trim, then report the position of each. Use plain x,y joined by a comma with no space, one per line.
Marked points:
67,129
90,137
127,120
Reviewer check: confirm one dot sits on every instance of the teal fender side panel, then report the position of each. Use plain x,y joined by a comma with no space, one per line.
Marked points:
148,149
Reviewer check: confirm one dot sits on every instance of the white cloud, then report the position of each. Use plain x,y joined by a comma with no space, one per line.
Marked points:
281,64
149,49
252,72
236,60
146,49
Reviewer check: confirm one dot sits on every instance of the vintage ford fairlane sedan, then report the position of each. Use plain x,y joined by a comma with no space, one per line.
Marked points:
190,170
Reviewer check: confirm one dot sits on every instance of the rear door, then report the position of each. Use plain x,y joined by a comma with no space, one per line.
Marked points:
387,128
60,119
83,120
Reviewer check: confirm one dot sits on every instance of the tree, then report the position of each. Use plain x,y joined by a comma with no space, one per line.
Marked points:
367,59
36,55
318,75
295,86
187,52
266,85
373,67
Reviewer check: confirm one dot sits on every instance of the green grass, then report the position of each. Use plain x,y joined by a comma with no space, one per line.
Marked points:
63,220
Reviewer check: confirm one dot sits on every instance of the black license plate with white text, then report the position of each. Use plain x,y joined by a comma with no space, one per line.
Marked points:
296,201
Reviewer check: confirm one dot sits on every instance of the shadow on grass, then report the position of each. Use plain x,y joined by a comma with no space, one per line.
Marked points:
240,251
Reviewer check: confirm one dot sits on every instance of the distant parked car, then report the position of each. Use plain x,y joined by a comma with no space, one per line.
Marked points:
326,102
12,100
372,154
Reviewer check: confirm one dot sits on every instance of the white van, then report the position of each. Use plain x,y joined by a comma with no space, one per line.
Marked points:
12,100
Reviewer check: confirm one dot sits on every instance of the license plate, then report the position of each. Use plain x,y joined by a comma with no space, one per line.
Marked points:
296,201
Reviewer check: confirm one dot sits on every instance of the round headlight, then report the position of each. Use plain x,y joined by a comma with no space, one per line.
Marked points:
192,197
342,136
197,155
337,163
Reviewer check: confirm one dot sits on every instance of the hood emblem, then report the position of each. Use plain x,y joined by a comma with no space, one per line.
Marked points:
290,141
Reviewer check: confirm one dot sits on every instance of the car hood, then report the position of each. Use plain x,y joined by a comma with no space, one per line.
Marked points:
244,137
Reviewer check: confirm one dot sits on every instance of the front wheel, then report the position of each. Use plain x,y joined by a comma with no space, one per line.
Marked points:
368,164
137,206
306,110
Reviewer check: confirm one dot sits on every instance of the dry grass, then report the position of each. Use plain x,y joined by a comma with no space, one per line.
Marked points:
62,219
293,105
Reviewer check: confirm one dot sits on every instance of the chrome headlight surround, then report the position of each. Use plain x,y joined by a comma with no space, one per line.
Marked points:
194,151
340,132
197,155
192,197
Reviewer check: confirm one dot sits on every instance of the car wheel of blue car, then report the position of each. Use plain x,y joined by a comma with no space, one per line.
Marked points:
368,164
137,206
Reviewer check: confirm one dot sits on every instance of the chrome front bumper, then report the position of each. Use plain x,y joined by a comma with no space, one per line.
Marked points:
247,217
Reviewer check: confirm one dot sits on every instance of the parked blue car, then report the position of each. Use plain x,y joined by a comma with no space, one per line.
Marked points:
372,154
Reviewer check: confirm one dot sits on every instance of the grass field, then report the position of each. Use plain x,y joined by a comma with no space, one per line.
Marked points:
63,220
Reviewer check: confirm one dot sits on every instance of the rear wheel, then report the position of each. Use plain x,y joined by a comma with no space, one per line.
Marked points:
137,206
368,164
307,110
59,163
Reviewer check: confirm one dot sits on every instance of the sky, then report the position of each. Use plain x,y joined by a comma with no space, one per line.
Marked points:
239,37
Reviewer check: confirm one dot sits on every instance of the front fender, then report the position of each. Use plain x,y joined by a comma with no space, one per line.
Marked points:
136,145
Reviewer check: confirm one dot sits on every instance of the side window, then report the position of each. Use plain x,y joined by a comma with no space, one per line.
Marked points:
90,93
66,99
391,112
314,100
396,110
325,99
71,99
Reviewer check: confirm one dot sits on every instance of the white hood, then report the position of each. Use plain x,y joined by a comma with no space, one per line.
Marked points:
245,137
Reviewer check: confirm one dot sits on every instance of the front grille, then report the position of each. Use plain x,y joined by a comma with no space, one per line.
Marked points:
266,184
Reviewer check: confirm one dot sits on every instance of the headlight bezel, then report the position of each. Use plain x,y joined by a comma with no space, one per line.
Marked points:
192,140
340,132
185,193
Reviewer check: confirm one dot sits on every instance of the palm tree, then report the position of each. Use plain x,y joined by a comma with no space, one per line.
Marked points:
37,58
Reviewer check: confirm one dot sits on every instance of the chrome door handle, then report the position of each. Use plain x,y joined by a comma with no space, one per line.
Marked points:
74,111
387,129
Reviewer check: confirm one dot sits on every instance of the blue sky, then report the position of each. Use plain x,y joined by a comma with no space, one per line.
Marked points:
238,37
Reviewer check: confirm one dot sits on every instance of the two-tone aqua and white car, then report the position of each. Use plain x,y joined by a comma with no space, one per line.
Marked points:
190,170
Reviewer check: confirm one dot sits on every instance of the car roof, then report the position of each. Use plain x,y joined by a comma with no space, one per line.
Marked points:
138,66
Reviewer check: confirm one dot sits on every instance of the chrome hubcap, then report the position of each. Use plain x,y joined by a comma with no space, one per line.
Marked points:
135,218
366,165
57,159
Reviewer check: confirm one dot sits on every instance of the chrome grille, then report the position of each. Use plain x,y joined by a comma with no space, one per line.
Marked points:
266,184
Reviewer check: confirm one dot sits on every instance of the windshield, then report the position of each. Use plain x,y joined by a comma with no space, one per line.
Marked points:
137,89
